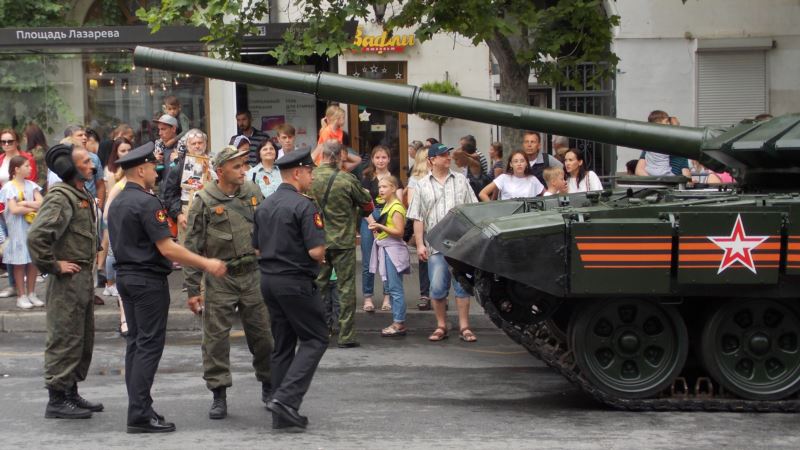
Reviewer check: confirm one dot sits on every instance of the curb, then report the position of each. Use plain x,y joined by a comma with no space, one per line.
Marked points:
184,320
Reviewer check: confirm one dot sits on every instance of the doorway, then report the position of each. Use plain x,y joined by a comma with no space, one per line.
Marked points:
370,127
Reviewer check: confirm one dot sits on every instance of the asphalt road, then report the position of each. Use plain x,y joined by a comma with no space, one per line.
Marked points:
390,393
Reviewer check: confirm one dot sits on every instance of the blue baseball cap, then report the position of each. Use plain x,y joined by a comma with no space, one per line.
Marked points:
438,149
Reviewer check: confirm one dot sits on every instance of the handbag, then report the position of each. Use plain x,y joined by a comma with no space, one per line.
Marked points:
28,216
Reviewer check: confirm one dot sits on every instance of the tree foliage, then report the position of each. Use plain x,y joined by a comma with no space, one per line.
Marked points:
228,21
439,87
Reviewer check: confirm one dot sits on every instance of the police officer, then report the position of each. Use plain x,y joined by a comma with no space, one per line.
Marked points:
290,238
341,200
220,225
143,246
62,242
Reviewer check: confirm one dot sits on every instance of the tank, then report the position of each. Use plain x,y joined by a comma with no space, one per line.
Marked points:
647,296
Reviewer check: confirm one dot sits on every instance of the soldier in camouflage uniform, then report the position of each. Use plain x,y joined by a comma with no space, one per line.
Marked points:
63,243
340,198
220,225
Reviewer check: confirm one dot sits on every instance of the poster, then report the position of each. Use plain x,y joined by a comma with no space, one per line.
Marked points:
272,107
196,172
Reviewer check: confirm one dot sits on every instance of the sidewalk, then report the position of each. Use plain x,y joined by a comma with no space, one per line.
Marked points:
13,319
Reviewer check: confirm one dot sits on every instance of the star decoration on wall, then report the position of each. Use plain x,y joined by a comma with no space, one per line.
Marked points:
356,74
384,70
373,69
364,116
398,76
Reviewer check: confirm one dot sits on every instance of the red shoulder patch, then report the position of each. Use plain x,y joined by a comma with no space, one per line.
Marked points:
318,221
161,215
84,204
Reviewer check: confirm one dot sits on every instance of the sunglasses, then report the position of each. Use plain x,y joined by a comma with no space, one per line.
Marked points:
5,142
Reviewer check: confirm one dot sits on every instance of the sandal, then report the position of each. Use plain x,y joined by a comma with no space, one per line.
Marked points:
394,330
424,304
386,307
123,329
467,335
439,334
368,306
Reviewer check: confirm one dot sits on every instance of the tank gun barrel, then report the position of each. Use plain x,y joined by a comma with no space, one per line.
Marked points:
679,141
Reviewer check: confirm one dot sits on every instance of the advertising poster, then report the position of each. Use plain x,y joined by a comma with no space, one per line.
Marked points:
272,107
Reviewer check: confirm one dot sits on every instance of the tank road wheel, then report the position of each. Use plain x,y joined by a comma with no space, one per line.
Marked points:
629,348
752,348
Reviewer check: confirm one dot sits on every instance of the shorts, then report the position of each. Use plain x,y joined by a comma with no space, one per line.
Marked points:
440,276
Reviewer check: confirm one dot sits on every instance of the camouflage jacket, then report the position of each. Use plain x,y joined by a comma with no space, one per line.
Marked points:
65,229
347,201
221,227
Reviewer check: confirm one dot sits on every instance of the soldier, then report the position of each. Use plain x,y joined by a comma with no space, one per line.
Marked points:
63,243
143,246
340,198
289,236
220,225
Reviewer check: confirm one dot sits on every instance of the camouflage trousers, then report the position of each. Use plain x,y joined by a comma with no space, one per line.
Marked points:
222,298
70,329
344,262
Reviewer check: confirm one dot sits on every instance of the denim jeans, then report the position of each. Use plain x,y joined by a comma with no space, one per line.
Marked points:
394,283
439,273
367,238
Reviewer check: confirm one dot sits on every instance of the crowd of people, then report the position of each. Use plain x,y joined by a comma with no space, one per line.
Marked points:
248,244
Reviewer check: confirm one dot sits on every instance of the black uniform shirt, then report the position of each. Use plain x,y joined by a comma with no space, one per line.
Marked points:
287,225
136,221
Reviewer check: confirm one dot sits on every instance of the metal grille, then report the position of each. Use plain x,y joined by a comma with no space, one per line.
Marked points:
600,101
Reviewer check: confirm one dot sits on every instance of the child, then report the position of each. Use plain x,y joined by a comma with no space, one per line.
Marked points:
389,253
556,184
22,199
172,106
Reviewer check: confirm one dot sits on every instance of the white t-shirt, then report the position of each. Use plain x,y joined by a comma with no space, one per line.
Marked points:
518,187
4,171
590,182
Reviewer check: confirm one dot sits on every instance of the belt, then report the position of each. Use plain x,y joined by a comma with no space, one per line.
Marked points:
242,265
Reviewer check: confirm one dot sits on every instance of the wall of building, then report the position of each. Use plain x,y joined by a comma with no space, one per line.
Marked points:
657,43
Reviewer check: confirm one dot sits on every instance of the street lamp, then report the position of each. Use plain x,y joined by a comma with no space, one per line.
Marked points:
380,10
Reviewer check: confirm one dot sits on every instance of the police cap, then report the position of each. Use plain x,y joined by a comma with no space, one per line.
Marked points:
138,156
297,158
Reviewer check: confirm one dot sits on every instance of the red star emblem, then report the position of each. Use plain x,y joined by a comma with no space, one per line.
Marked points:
738,247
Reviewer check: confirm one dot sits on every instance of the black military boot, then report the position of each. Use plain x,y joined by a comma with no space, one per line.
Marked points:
59,407
72,395
219,407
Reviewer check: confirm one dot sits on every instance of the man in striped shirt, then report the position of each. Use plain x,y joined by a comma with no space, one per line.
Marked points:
437,193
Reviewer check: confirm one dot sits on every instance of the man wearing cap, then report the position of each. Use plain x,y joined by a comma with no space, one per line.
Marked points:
166,144
342,201
290,237
143,246
220,225
437,193
62,242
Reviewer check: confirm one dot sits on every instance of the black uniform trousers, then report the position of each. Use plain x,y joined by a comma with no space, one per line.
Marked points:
296,314
145,299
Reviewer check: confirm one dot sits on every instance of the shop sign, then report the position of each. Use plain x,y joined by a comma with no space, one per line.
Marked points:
382,43
98,36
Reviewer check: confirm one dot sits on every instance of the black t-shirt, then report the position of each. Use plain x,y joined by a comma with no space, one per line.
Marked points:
372,186
287,225
136,221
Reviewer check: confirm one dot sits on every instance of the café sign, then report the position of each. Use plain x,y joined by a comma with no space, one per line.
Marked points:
382,43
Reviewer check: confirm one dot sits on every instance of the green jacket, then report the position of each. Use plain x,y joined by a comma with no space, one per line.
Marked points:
220,227
347,202
65,229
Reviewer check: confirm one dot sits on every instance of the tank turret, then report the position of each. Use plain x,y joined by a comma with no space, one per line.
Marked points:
757,153
645,297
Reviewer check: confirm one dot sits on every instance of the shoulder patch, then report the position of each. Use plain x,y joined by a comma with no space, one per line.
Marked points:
161,215
318,221
219,210
84,204
253,201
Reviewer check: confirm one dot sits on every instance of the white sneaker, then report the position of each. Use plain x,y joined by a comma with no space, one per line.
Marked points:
8,292
39,279
107,291
34,299
24,303
113,290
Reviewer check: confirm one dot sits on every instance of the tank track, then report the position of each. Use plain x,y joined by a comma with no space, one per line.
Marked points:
546,346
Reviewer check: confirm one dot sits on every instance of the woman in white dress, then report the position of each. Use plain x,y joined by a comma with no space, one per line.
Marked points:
578,178
517,182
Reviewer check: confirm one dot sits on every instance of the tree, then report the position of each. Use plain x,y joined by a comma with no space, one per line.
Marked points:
547,37
439,87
